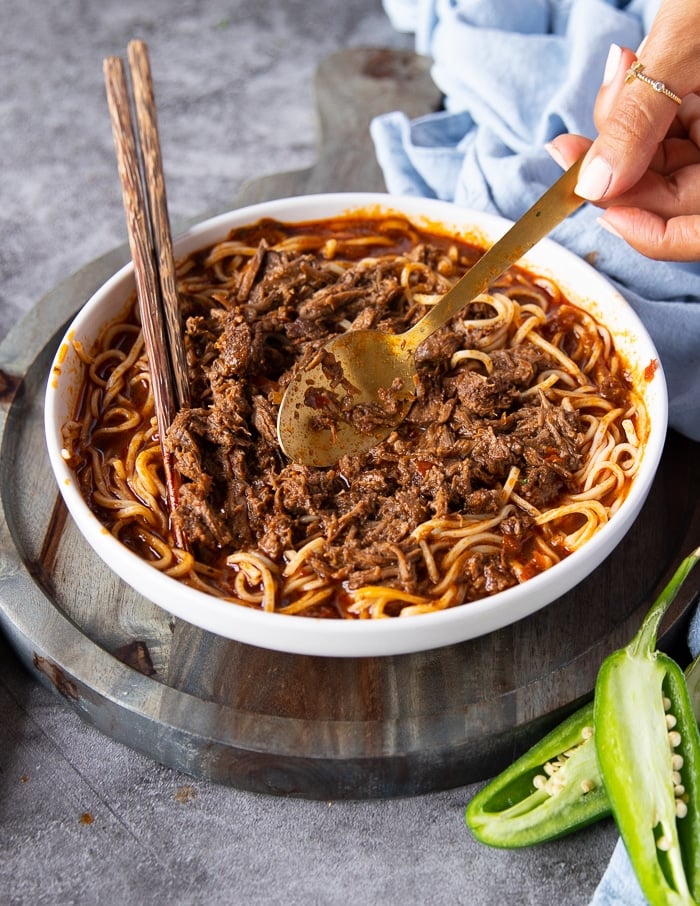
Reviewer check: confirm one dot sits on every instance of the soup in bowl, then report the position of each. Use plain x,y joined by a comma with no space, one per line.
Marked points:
538,425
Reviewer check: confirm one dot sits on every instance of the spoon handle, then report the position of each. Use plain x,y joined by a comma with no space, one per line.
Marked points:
554,206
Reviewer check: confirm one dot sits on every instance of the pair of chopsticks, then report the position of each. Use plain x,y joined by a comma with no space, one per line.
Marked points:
140,166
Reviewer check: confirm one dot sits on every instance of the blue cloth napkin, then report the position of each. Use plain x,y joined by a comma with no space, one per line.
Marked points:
515,75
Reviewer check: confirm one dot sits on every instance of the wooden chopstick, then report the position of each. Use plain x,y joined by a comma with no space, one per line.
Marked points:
145,259
147,125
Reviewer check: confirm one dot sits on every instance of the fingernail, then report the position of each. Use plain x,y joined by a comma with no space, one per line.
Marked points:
611,64
639,50
609,227
594,179
555,154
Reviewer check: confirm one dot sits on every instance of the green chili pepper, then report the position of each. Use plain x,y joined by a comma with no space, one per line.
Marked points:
648,747
557,786
551,790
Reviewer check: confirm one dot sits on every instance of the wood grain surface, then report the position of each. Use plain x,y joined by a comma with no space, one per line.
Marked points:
286,724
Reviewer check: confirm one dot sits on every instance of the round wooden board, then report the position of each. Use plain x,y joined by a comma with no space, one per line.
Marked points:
260,720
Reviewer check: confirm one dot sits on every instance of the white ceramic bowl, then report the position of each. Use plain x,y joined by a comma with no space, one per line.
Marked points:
344,638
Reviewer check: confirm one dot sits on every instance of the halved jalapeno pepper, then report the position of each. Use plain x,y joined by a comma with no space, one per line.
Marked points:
648,747
554,788
640,730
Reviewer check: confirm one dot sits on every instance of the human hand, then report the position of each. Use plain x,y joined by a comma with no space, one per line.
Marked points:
644,166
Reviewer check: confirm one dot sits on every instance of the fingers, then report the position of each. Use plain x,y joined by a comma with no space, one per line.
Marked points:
673,155
668,197
644,166
597,181
632,117
677,239
640,215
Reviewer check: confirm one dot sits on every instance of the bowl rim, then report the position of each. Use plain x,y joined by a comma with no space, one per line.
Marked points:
360,638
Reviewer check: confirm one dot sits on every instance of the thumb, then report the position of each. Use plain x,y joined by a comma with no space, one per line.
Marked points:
638,120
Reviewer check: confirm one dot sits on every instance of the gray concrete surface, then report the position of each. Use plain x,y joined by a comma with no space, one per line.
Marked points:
83,819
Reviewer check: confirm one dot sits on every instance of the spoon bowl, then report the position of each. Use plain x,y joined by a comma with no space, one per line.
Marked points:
350,400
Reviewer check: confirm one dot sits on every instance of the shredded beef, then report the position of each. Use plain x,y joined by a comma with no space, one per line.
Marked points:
466,431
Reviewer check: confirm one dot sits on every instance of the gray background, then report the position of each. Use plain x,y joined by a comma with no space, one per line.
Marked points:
233,85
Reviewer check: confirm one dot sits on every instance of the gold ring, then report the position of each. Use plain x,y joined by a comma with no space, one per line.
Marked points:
635,72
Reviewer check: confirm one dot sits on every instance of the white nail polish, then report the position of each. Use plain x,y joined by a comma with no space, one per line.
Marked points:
555,154
594,179
611,64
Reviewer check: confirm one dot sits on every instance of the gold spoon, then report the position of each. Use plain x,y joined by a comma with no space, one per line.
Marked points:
359,365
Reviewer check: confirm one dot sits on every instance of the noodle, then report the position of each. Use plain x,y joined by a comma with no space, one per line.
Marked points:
523,440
